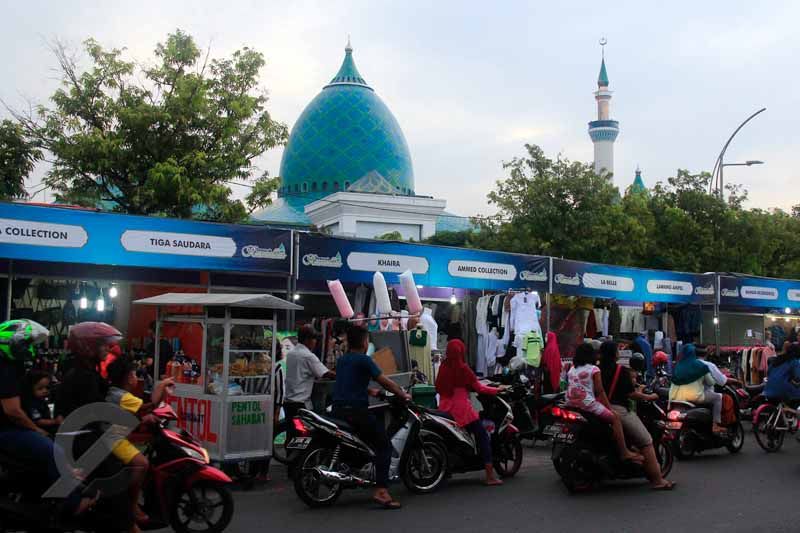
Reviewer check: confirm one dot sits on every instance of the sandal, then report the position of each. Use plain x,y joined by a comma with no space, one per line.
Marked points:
668,485
493,482
387,504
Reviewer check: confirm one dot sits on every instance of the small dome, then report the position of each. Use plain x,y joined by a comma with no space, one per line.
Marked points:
344,134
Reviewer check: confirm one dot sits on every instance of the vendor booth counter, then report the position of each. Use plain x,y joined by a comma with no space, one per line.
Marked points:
224,395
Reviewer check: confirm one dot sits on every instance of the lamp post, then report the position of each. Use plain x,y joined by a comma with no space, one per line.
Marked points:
719,165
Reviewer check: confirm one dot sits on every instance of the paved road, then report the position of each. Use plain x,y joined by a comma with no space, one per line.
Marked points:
749,492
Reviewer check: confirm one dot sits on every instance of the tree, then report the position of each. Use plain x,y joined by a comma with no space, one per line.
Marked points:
559,208
390,236
17,159
166,139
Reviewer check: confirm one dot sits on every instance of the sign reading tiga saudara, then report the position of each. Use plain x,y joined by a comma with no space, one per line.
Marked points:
38,233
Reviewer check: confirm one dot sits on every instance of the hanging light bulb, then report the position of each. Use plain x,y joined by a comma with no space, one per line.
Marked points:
453,299
112,292
787,310
295,297
84,303
716,321
101,304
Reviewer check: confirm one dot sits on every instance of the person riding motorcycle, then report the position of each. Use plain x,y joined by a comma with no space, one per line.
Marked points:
784,375
90,343
20,437
621,387
689,380
354,370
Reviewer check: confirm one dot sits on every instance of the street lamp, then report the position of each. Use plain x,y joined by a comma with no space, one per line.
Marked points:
720,164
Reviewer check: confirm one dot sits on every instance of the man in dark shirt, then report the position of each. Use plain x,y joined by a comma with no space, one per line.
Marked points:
165,352
354,371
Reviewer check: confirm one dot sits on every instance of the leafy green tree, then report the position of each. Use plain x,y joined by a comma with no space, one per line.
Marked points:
18,157
390,236
166,139
560,208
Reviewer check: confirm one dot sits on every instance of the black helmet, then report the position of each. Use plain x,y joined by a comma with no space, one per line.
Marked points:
637,362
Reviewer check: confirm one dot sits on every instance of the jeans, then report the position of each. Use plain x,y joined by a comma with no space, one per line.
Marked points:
369,428
483,440
715,399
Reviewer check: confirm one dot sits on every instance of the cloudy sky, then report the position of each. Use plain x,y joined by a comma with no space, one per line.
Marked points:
471,82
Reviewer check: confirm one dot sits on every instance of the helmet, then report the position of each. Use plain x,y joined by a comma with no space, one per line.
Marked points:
660,358
86,337
18,339
637,362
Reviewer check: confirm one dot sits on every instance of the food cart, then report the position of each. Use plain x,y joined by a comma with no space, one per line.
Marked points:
224,394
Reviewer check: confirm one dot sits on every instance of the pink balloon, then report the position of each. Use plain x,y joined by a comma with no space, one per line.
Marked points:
340,297
412,296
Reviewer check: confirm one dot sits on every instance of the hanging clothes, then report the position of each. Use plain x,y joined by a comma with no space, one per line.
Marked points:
429,323
614,320
524,314
533,348
551,362
419,350
361,298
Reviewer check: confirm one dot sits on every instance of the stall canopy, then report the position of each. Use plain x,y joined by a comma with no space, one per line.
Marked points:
261,301
69,236
759,292
356,261
575,278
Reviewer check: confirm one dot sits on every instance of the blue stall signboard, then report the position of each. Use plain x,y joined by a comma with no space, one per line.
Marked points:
575,278
356,261
759,292
37,233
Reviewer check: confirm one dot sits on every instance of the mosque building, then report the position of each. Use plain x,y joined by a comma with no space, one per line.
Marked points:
347,169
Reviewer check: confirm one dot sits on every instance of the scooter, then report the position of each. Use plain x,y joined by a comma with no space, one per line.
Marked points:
182,490
691,428
333,458
584,451
464,454
532,413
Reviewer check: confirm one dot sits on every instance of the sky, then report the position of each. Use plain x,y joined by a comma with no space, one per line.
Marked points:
472,81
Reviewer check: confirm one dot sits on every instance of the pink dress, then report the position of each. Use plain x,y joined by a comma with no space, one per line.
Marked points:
580,392
459,406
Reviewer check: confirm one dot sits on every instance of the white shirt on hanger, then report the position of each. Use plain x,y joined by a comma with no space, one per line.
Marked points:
524,315
430,326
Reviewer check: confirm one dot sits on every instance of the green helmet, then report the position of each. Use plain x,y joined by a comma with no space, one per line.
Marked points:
18,339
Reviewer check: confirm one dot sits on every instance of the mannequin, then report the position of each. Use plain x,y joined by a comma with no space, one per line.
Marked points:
429,323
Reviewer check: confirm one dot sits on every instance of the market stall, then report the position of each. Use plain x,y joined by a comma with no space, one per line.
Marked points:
224,395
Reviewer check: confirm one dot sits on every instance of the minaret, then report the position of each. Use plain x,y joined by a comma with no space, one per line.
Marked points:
603,131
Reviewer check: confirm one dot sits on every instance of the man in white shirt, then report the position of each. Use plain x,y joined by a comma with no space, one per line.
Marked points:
302,369
720,378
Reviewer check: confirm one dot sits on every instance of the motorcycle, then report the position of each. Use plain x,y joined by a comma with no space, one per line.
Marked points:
331,457
749,397
463,452
584,452
182,490
691,428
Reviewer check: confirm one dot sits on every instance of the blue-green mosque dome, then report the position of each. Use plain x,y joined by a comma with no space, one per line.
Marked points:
345,134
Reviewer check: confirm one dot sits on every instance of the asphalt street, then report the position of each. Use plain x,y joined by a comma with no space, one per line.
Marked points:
716,491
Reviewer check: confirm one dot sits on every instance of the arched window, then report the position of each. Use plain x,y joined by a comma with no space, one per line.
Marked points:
346,184
324,185
305,187
335,185
314,186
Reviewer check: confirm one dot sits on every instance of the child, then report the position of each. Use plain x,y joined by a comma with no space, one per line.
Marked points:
585,392
37,388
122,378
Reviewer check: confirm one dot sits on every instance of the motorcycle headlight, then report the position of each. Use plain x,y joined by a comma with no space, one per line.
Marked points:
194,454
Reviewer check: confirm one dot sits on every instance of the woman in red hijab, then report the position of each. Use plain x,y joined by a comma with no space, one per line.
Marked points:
551,360
454,383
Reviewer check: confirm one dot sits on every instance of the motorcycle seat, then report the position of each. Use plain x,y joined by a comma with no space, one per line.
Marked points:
754,389
341,424
435,412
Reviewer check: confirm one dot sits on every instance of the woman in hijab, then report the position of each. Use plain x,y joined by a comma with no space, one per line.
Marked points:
454,383
689,379
551,361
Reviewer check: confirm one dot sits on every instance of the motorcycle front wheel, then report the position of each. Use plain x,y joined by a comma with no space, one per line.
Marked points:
309,485
426,468
279,452
205,507
769,439
683,444
508,459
